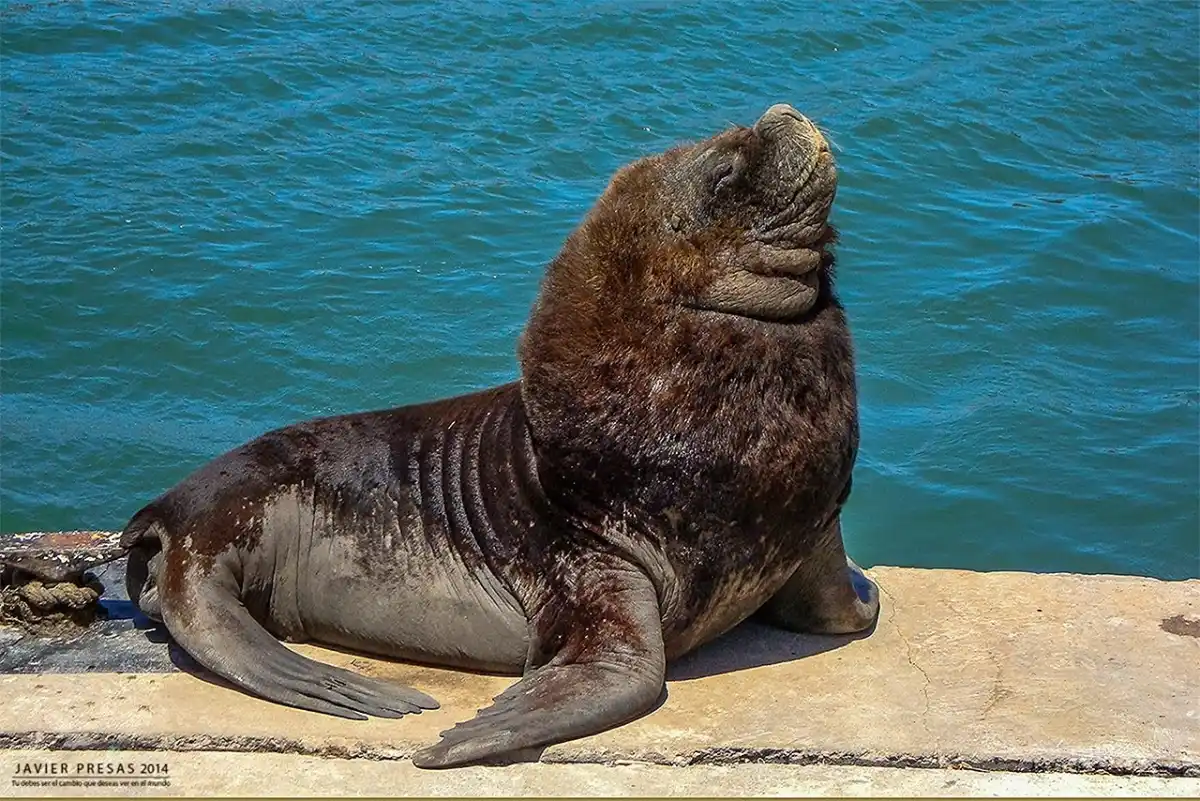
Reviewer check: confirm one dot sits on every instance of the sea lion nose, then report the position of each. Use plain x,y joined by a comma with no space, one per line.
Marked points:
781,114
783,110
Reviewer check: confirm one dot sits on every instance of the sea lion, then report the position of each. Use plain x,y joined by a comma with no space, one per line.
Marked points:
673,459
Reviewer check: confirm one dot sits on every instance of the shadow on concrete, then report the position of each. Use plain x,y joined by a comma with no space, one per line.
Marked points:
755,644
750,645
182,660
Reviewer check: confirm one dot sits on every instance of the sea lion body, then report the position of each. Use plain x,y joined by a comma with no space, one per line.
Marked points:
366,531
673,459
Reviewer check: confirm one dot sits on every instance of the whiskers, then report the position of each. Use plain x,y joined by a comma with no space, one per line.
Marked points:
829,137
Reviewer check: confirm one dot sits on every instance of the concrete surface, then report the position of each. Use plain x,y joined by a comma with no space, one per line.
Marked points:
214,774
58,555
1013,673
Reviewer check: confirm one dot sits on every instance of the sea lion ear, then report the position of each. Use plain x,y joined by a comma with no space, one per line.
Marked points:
726,175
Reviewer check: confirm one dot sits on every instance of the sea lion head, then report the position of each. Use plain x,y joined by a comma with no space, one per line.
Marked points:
736,224
690,318
754,204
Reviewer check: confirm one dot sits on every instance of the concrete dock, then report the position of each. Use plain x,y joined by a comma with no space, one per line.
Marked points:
971,684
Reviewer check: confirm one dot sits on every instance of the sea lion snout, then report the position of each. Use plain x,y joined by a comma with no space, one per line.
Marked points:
785,119
761,221
798,179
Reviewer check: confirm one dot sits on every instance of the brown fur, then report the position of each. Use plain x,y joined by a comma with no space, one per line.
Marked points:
655,411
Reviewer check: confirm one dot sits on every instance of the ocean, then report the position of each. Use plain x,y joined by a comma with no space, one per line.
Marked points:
218,218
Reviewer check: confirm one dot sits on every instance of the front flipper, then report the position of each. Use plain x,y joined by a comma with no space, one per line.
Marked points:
608,667
828,593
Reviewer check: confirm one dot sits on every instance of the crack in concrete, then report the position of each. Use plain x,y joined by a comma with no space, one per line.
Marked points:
95,741
908,648
997,693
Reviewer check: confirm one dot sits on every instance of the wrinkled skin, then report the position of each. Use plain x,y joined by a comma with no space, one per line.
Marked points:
674,459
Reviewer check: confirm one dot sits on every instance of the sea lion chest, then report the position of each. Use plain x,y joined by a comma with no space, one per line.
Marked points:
735,541
725,571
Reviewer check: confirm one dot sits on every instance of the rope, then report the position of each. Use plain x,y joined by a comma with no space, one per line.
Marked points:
37,603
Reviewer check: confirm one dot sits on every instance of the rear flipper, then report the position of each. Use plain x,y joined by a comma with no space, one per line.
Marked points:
609,669
218,632
205,616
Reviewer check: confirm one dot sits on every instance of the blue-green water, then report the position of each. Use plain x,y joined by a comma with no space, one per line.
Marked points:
217,218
